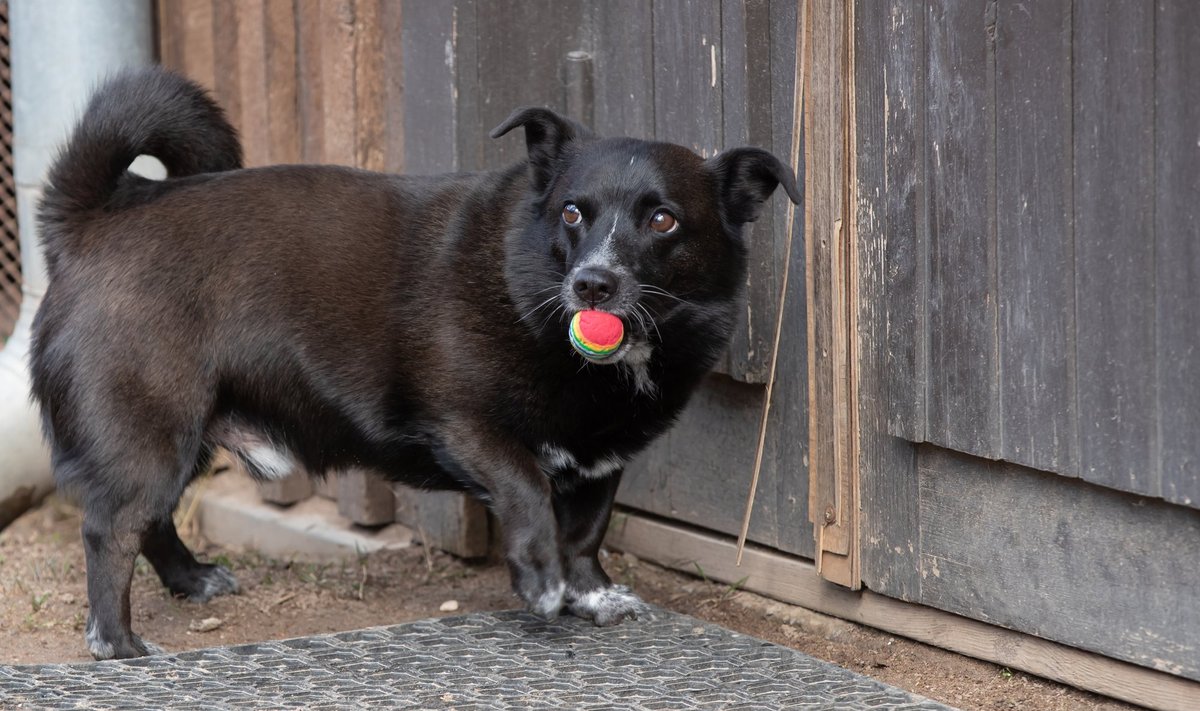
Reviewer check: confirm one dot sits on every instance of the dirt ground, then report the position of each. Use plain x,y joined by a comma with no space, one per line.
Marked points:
43,607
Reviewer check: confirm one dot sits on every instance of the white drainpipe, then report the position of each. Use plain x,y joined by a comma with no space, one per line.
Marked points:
60,51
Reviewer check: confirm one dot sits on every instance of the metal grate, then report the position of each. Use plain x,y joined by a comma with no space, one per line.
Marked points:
497,660
10,250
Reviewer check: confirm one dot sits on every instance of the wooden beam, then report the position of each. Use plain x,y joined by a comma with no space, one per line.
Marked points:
826,37
796,581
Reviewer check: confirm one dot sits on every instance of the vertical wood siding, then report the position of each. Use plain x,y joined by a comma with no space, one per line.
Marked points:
415,85
302,80
1055,324
1177,248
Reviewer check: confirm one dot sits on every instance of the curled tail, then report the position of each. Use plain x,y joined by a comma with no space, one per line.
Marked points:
148,111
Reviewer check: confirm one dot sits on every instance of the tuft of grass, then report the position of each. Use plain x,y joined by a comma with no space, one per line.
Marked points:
1006,672
37,601
731,589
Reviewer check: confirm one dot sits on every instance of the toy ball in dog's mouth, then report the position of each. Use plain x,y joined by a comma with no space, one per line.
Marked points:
596,334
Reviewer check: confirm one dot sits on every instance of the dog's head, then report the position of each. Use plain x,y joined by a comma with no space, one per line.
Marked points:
647,231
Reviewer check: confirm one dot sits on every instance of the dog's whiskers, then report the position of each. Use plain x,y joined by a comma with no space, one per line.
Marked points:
535,309
641,322
659,291
642,307
561,306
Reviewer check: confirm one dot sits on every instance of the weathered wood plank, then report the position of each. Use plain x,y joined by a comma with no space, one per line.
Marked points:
327,486
365,498
1177,233
283,108
687,75
1079,564
888,76
963,405
447,520
1034,252
392,28
796,581
170,44
370,85
255,122
545,30
747,76
338,94
831,228
193,30
699,471
309,90
789,410
430,124
293,488
1114,248
472,123
823,201
226,79
902,197
623,76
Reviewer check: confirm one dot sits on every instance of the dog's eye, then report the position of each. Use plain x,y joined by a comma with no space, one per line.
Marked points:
571,214
663,222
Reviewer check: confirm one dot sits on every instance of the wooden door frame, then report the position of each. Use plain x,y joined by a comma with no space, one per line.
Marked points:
830,228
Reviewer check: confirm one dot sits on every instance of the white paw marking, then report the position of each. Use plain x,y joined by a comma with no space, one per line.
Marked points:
99,648
605,604
550,602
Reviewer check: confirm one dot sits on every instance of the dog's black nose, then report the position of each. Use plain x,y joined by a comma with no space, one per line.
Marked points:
595,285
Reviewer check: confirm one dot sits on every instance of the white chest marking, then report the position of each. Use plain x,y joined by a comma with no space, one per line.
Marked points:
554,458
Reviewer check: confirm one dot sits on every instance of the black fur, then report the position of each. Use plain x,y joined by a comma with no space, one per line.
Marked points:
335,317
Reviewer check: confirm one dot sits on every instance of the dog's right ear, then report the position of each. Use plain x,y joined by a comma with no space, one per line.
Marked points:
547,135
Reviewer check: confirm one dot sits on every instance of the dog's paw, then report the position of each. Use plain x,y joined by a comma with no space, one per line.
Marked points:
128,648
206,582
548,603
605,606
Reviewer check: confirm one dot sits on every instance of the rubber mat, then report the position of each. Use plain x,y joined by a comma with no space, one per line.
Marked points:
504,660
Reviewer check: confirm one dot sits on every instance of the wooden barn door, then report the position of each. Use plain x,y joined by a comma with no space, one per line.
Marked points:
415,85
1025,367
707,75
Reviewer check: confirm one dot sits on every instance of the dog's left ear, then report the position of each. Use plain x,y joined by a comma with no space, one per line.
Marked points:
546,137
746,177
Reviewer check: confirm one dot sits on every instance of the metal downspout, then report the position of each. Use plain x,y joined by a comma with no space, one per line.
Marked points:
60,50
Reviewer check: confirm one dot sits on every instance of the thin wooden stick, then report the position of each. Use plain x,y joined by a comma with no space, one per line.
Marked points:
797,116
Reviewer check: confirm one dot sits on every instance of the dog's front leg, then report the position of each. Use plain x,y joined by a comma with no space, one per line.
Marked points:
518,493
583,508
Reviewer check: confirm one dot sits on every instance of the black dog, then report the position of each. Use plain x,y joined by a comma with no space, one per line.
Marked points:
333,317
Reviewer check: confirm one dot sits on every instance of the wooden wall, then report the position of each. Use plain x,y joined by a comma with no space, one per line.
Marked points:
304,81
416,85
1029,331
1042,167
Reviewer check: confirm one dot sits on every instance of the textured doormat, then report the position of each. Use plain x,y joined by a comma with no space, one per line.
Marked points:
505,660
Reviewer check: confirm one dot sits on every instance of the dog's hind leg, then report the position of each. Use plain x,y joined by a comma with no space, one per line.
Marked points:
111,540
179,570
128,491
